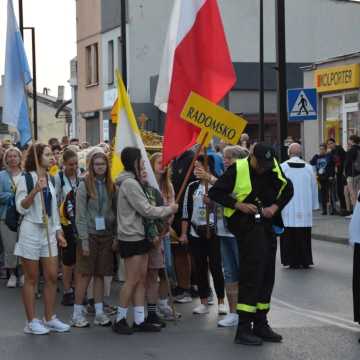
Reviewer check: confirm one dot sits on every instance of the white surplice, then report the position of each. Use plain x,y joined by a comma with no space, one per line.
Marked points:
299,211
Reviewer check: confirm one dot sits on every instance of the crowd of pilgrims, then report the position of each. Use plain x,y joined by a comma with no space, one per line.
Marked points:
127,232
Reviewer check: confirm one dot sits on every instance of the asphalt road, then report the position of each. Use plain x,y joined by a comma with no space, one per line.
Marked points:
311,308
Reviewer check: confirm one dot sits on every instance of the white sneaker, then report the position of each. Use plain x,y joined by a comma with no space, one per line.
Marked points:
102,320
22,281
55,325
12,281
211,300
229,320
222,309
166,312
201,309
79,321
36,327
348,217
183,298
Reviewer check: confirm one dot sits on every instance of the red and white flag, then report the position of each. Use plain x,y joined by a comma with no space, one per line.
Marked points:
196,58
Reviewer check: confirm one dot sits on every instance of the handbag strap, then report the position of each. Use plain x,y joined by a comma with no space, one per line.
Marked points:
13,187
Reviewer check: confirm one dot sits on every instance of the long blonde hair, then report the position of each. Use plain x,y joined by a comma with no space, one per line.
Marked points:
165,184
90,177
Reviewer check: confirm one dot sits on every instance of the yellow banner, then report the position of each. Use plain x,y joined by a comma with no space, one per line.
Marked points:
337,78
213,119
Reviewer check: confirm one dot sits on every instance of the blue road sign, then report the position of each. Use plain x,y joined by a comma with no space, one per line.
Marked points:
302,104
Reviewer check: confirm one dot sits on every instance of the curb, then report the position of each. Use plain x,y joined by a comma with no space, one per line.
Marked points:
332,239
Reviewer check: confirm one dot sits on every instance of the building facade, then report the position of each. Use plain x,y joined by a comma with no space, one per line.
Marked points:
51,122
311,36
337,81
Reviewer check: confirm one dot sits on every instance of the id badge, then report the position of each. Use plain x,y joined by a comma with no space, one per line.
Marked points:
99,223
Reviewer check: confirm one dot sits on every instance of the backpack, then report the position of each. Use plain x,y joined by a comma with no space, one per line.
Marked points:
12,216
356,163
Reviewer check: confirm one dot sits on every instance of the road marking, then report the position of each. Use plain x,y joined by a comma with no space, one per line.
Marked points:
319,316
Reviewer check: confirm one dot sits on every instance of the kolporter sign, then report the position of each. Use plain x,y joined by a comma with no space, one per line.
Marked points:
337,78
213,119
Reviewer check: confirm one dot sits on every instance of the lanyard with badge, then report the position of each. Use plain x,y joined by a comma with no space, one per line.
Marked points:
73,187
99,219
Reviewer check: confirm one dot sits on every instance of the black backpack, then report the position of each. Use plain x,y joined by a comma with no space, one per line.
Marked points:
12,217
356,163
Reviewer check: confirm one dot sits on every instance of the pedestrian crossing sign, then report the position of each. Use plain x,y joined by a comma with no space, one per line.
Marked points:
302,104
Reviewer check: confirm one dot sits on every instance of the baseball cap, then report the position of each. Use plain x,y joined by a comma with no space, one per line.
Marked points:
265,155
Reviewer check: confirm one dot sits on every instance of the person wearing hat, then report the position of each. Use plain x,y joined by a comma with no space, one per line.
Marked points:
253,192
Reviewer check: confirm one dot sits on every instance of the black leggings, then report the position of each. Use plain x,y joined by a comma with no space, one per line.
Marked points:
324,192
206,254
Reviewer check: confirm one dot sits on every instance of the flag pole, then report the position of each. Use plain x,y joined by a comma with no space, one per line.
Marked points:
191,169
45,218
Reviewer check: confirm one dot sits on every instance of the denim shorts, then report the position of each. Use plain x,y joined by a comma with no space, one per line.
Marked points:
230,258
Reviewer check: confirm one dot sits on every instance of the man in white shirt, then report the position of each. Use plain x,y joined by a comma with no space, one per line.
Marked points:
295,242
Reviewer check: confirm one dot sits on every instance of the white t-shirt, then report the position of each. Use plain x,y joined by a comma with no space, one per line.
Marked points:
69,184
222,229
199,210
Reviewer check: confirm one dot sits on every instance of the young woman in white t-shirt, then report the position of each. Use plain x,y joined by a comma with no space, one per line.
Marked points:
37,245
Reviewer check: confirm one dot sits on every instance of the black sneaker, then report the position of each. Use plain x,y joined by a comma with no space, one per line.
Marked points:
68,299
154,319
121,327
146,327
245,336
194,291
266,333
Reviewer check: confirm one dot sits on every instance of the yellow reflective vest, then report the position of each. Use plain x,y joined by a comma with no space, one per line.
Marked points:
243,186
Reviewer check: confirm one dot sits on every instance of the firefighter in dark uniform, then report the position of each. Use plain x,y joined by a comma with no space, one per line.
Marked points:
254,191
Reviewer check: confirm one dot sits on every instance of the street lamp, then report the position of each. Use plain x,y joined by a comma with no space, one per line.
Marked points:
281,76
261,73
34,81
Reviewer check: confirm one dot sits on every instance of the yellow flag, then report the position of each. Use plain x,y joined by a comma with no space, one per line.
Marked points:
115,111
127,134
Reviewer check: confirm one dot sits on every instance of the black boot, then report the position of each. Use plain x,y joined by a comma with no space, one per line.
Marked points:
245,336
263,330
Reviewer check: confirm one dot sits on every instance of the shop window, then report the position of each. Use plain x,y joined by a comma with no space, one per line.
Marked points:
353,123
332,119
351,98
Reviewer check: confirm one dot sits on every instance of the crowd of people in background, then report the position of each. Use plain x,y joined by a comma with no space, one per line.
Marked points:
102,231
338,175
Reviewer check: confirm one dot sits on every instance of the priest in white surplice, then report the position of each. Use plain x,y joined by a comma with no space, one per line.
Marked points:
295,244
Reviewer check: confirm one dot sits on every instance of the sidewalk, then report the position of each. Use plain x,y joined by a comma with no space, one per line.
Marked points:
330,228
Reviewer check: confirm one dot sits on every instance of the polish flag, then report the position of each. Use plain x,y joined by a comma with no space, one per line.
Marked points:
196,58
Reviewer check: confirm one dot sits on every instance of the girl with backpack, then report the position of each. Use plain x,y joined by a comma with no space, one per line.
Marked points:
8,179
133,208
67,181
95,223
35,243
163,177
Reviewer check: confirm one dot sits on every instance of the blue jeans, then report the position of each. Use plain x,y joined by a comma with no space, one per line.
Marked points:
168,258
230,258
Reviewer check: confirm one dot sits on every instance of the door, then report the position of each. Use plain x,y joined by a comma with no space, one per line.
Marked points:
352,124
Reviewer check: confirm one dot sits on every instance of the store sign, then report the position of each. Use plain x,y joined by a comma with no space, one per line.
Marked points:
337,78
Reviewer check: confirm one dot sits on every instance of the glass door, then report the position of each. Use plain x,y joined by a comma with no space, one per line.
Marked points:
352,123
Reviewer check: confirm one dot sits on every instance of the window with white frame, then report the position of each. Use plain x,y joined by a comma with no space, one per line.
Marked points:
92,65
110,69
